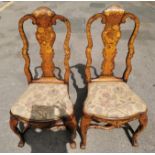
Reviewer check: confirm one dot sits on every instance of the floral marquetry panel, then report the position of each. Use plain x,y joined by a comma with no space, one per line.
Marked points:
44,19
112,18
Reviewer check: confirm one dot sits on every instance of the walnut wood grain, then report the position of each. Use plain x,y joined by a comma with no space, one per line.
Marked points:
44,19
66,45
130,44
14,126
84,125
25,46
90,44
143,120
112,17
110,37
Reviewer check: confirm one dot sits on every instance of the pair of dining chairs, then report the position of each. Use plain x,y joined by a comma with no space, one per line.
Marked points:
110,103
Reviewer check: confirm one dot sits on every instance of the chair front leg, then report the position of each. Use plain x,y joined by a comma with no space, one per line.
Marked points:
71,124
142,124
85,122
13,125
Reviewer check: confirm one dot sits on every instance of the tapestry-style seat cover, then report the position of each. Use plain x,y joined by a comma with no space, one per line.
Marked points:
46,101
112,100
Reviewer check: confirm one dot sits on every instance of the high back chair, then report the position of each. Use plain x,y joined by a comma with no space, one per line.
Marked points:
46,102
110,101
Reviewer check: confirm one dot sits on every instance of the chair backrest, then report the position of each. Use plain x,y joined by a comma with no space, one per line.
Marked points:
112,17
44,18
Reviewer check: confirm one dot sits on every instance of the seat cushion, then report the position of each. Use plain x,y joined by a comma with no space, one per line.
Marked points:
43,102
112,100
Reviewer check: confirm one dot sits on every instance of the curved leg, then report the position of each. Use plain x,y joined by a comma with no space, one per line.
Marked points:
13,126
85,121
142,124
71,125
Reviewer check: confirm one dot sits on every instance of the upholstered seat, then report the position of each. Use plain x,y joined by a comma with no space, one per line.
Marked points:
112,100
43,102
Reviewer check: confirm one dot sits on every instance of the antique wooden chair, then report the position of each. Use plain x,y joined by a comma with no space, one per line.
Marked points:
46,102
110,101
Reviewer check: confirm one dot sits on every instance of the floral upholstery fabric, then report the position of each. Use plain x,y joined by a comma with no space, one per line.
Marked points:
112,100
43,102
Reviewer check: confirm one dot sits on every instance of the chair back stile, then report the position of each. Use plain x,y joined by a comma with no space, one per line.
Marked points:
44,18
112,18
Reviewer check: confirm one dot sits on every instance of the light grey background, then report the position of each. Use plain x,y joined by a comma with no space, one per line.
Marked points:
13,82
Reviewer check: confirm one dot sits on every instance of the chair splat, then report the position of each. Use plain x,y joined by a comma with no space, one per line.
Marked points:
46,37
112,17
110,37
44,18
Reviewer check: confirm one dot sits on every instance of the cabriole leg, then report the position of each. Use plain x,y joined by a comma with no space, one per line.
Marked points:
85,121
13,126
71,125
142,124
